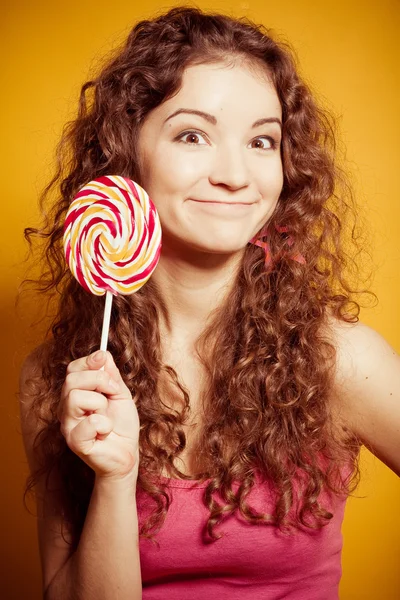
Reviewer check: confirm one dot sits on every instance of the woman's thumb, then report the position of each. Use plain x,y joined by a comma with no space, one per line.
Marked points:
111,368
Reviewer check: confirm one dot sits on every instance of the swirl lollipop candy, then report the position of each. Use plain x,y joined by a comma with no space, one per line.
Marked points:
112,239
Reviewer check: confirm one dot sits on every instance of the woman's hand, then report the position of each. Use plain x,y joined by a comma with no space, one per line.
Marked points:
98,417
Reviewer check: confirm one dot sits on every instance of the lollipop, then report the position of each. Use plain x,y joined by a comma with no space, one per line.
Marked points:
112,239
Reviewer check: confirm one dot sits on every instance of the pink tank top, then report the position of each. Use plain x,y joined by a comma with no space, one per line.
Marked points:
249,562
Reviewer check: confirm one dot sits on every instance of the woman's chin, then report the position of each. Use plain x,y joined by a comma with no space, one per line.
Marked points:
227,248
187,246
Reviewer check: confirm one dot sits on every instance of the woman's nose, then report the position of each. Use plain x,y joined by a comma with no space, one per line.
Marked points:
229,168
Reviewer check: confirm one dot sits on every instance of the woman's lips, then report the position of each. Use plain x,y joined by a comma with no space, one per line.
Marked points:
226,208
223,202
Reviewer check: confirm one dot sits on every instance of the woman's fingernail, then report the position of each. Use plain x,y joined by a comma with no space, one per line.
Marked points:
98,356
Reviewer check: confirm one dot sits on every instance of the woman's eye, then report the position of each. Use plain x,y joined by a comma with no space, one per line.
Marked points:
192,138
264,142
195,138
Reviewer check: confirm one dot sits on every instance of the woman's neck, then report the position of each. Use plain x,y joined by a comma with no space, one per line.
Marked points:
192,287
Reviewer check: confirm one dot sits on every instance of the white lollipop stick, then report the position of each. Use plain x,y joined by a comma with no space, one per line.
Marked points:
106,321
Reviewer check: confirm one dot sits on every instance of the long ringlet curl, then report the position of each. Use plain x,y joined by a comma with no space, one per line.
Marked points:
267,353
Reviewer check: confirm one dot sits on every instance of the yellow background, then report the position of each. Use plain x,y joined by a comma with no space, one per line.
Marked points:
349,53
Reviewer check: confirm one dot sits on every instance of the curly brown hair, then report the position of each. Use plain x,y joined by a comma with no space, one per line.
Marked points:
268,353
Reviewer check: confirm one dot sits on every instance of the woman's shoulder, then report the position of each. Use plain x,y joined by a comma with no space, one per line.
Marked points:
367,383
359,348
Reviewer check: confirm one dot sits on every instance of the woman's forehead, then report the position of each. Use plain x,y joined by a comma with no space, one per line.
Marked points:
218,87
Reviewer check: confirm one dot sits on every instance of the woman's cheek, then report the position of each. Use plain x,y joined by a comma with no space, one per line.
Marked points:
192,165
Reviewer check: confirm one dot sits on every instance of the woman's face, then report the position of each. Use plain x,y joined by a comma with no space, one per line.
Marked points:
211,159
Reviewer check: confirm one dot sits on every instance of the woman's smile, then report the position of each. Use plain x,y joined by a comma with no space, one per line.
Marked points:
228,209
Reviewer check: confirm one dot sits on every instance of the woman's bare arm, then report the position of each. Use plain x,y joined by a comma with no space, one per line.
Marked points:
106,564
368,383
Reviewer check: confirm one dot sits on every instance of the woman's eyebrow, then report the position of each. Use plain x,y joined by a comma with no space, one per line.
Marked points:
211,119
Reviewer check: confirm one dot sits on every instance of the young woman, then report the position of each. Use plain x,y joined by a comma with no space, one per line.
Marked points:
213,454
